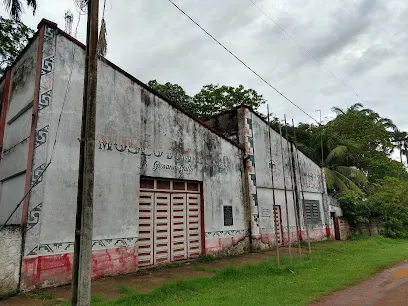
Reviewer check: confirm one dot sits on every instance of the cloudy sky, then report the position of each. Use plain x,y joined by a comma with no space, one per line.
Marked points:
362,42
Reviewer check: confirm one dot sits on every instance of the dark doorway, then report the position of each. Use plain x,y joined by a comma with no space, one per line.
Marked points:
336,225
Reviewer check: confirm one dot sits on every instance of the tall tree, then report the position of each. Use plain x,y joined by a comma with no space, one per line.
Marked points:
173,92
15,7
14,36
211,100
356,145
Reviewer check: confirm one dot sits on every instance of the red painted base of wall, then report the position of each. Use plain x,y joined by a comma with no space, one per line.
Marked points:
219,245
54,270
315,234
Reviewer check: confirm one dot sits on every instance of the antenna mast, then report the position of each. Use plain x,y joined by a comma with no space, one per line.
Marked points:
69,19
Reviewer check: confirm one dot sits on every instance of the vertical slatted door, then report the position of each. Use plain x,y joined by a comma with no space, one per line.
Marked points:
277,222
194,225
178,228
145,241
162,228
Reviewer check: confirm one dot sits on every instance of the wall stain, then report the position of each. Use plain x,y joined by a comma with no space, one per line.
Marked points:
21,73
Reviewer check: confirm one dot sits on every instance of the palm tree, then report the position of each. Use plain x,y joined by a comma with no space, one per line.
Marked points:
401,141
355,108
341,178
339,154
15,7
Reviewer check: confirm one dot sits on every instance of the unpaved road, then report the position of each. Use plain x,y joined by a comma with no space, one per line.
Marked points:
388,288
143,281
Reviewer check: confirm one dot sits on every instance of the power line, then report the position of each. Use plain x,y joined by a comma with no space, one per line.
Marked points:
307,52
243,63
55,138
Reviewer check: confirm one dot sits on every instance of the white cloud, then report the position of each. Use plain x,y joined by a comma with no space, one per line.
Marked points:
363,42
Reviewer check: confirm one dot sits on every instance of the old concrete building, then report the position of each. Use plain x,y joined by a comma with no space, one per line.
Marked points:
296,186
167,186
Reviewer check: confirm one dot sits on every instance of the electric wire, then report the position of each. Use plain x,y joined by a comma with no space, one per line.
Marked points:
307,51
243,63
55,138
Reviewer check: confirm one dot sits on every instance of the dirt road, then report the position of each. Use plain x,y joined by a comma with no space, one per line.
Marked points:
143,281
389,288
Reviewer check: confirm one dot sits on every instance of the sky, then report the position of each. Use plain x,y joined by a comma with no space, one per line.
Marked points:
363,43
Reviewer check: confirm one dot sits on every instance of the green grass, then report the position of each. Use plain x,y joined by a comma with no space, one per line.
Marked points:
9,295
334,267
41,295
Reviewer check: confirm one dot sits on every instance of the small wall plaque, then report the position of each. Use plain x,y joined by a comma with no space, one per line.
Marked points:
228,218
266,212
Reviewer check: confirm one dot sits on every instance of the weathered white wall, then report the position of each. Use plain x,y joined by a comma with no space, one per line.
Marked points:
282,176
12,193
334,205
263,156
17,132
10,258
265,198
309,178
267,145
138,134
310,173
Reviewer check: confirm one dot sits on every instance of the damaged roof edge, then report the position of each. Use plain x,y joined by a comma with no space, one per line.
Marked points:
117,68
266,122
252,110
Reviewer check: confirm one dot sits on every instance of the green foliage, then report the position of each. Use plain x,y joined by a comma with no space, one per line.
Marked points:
298,284
14,36
9,295
211,100
173,92
389,200
15,7
380,165
355,210
354,149
207,258
338,182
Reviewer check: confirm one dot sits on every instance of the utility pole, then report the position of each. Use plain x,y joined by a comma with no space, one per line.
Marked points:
275,211
82,267
286,195
325,210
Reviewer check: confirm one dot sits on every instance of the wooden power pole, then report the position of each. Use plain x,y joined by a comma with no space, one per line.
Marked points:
82,268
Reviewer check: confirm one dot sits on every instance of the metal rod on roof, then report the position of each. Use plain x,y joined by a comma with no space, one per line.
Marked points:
302,193
293,187
286,195
273,191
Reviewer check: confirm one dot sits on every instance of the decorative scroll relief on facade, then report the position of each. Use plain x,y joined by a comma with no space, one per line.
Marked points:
34,216
40,158
227,233
250,165
266,230
68,247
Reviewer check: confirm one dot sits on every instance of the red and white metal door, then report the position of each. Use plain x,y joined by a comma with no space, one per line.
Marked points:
169,221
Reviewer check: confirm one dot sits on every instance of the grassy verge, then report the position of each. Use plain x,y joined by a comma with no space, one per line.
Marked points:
334,266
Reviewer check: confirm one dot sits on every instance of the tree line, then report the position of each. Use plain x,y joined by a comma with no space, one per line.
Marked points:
354,148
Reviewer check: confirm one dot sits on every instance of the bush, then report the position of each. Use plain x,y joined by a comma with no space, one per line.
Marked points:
355,210
389,201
